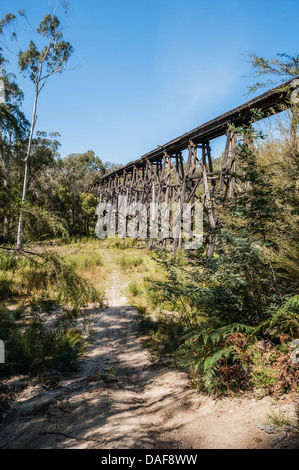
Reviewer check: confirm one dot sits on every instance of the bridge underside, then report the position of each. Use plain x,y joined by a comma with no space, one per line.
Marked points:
164,176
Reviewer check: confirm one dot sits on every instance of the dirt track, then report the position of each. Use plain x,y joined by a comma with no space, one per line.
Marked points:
119,400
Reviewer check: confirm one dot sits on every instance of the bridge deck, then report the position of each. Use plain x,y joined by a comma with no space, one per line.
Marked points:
271,102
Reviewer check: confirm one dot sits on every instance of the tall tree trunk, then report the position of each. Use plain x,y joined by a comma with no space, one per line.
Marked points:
33,122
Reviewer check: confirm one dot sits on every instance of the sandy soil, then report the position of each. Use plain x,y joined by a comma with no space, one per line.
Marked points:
121,400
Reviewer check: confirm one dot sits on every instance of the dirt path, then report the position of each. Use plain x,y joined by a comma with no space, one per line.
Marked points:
119,400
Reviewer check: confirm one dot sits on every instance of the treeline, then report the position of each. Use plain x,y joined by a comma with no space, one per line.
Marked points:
60,199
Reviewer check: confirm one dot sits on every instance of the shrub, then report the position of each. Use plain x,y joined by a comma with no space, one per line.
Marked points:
49,273
134,288
216,355
7,261
5,287
126,261
37,349
284,320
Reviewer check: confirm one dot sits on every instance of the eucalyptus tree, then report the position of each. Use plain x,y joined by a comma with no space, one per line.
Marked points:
13,130
77,175
13,124
44,57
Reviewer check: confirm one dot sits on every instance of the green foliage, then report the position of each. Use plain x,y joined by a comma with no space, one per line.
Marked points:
36,348
7,261
280,420
234,286
88,204
281,67
6,323
19,311
144,323
52,56
71,288
84,260
42,304
262,375
122,243
13,124
49,273
41,224
284,320
134,288
215,355
163,334
6,287
70,195
128,261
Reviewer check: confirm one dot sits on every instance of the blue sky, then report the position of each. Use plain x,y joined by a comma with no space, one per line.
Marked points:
148,71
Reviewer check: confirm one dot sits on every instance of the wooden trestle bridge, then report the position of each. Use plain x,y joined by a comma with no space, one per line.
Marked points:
162,175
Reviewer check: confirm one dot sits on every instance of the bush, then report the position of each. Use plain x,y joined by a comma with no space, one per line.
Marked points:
7,261
215,355
134,288
284,320
163,334
48,273
43,304
5,287
127,261
6,323
36,349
